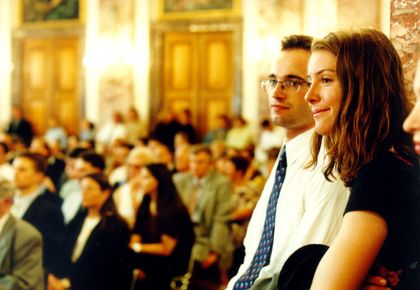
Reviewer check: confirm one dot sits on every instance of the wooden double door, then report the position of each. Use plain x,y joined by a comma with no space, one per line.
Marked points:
50,81
198,75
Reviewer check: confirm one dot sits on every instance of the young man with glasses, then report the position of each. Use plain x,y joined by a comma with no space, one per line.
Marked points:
309,209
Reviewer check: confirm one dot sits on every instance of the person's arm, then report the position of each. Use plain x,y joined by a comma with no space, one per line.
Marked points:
351,255
27,263
164,248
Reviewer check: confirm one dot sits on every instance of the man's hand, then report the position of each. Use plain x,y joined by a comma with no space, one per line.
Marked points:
210,260
375,283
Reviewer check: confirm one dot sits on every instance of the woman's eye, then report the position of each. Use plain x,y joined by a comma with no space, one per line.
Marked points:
326,80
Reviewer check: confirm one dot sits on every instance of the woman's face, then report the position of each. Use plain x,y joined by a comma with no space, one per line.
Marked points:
412,123
324,95
148,182
92,195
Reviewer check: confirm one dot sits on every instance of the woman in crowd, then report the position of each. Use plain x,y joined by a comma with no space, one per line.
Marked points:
163,232
359,105
98,257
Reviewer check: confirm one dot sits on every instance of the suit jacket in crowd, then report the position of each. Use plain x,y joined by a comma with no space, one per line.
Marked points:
47,218
105,261
20,256
21,128
212,229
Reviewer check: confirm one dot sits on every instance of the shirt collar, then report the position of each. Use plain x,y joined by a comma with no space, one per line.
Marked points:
298,147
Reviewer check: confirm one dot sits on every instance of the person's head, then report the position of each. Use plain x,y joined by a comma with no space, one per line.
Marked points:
17,112
357,98
40,146
185,117
157,179
266,125
96,191
181,138
200,160
236,167
162,154
239,122
89,162
117,117
218,148
4,150
132,114
223,121
53,122
7,192
181,158
286,86
412,123
137,158
71,158
120,150
29,171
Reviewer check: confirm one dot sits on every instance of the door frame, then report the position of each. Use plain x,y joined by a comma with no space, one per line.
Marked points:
157,33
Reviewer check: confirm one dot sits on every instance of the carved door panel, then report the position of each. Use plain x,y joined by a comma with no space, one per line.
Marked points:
197,73
50,81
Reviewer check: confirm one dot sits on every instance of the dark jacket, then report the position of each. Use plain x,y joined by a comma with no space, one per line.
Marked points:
105,262
47,218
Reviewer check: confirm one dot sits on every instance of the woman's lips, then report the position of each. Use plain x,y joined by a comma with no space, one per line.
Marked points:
317,112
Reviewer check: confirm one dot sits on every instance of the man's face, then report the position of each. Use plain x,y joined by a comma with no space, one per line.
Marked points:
81,168
200,164
25,174
288,107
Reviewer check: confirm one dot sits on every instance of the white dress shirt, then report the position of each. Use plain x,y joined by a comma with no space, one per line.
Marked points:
309,211
22,203
88,226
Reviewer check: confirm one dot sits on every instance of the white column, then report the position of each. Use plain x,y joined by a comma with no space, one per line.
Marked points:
141,59
91,69
250,63
5,60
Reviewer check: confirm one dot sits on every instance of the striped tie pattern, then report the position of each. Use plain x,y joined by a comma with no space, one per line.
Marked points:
263,253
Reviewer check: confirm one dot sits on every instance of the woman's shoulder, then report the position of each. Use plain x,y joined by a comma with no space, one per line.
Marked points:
389,167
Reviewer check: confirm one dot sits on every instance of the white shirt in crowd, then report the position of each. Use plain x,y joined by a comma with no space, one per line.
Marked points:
309,211
88,225
22,203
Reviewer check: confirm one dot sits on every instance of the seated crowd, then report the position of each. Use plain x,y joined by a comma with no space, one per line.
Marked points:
117,209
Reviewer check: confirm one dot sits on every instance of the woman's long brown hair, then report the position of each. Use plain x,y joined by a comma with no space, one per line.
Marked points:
374,104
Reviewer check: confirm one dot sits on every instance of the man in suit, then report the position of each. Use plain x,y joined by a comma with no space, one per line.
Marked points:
20,248
19,126
33,204
207,195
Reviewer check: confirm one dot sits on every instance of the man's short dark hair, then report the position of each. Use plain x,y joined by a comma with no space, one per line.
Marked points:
94,159
39,162
296,42
201,148
76,152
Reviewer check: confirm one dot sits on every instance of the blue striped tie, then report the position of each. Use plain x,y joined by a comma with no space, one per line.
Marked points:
263,253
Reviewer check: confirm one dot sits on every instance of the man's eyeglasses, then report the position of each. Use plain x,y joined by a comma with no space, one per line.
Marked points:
292,86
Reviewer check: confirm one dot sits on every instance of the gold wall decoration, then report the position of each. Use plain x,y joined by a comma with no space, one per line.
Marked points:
188,9
54,13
